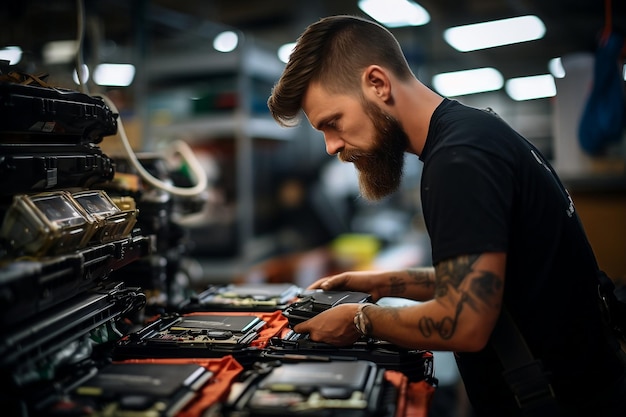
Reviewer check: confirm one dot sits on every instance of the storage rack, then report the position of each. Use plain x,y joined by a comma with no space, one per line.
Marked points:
233,88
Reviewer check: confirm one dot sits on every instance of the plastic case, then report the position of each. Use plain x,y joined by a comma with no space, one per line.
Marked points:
48,223
342,389
53,115
111,221
243,335
39,168
34,353
416,364
32,286
148,389
312,303
242,297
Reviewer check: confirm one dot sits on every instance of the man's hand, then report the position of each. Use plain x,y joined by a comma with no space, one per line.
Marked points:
334,326
369,282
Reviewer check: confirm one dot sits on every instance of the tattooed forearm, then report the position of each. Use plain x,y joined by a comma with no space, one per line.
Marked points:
397,285
422,277
446,327
395,315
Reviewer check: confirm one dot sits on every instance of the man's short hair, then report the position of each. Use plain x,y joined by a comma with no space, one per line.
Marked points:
334,51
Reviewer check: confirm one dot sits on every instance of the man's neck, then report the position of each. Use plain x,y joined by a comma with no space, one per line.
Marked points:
416,104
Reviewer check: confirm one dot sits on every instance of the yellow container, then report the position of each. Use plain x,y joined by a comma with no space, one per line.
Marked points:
355,251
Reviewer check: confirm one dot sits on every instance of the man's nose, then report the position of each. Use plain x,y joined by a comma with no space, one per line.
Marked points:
334,144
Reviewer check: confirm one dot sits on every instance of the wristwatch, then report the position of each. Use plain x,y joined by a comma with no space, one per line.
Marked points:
361,322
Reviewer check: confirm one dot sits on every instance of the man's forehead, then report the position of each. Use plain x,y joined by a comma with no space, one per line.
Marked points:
320,104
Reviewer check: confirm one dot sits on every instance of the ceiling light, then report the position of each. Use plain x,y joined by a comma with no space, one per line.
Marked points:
226,41
472,81
13,54
529,88
495,33
120,75
555,65
59,52
395,13
285,51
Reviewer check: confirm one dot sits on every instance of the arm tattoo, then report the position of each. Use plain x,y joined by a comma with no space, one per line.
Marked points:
397,285
483,288
419,277
486,286
447,326
452,272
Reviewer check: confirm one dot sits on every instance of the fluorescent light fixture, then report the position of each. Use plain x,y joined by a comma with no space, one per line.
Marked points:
285,50
529,88
226,41
624,72
472,81
555,65
495,33
120,75
59,52
13,54
395,13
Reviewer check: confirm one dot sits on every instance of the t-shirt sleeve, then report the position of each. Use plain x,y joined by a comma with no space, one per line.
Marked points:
467,198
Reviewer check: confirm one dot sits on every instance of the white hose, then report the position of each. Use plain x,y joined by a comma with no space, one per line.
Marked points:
198,173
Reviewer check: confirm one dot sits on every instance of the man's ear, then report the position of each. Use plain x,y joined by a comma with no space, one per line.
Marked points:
376,83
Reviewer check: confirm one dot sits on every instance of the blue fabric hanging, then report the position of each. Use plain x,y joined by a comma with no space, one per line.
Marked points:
604,115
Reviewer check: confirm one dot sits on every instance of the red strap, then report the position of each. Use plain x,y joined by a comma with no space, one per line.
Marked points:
414,398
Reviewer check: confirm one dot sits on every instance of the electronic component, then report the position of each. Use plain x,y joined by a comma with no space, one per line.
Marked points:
243,297
354,388
314,302
111,221
149,389
46,224
416,364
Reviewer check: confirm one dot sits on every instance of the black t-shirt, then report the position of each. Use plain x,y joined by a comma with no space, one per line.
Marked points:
485,188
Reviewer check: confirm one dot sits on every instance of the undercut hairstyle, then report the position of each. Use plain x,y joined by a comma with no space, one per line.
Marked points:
334,51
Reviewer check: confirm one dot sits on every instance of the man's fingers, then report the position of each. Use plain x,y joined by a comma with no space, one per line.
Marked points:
331,283
317,284
300,328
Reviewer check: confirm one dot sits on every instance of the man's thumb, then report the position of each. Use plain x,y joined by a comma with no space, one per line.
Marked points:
299,328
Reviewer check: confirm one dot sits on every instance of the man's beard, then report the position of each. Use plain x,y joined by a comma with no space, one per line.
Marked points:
380,169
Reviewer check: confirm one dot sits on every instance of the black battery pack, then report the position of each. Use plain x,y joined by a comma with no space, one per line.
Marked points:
46,116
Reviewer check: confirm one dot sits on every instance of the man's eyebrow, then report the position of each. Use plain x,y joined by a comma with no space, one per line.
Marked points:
325,120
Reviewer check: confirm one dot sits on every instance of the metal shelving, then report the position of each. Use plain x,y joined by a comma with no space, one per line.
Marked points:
246,75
